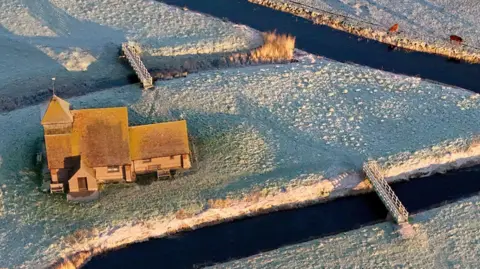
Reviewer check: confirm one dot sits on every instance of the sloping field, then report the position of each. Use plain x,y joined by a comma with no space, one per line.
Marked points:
79,42
447,237
291,130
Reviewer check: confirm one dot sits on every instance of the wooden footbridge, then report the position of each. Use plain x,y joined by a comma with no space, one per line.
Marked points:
385,192
133,57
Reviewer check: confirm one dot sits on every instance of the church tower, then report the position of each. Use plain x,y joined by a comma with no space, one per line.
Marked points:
57,118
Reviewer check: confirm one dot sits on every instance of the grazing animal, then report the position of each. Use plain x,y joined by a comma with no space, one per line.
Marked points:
456,39
394,28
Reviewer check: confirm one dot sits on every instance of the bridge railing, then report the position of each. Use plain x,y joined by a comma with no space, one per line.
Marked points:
138,66
385,192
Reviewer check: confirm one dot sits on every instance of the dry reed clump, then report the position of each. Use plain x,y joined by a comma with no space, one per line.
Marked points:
75,261
183,214
276,47
80,236
475,142
220,203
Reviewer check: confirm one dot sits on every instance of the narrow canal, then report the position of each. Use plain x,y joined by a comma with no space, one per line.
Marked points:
249,236
338,45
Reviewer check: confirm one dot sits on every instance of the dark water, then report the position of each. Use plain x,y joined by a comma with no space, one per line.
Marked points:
249,236
338,45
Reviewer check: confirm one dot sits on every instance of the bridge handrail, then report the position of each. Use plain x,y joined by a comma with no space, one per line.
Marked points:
388,196
138,66
384,187
380,179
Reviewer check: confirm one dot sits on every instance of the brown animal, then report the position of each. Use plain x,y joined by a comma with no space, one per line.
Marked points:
456,39
394,28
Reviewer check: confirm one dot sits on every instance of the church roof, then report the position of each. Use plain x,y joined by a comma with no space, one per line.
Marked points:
159,140
59,147
100,136
58,111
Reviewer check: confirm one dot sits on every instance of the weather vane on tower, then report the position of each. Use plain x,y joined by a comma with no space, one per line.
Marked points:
53,85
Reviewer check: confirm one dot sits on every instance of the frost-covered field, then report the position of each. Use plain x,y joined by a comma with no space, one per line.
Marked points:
423,25
429,20
447,237
262,128
79,41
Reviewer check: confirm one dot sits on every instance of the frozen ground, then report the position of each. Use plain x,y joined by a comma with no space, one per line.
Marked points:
420,22
79,42
447,237
431,20
257,129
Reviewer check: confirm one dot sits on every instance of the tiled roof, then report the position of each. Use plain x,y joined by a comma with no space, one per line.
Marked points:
80,165
100,136
58,148
158,140
58,111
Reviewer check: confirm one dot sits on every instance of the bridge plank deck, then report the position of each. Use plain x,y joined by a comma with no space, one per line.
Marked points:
385,192
138,66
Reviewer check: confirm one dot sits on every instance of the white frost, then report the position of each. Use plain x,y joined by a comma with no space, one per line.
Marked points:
447,237
261,127
432,21
42,39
